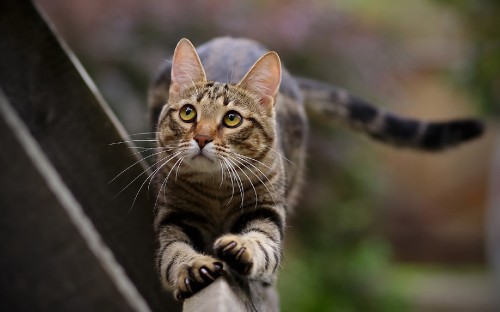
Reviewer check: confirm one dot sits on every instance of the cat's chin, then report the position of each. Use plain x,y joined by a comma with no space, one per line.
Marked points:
201,163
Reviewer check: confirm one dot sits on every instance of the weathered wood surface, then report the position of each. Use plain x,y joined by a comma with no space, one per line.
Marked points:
229,295
217,297
47,263
52,259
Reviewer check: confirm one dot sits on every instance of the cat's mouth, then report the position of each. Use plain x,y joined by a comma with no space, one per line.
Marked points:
202,159
202,162
201,155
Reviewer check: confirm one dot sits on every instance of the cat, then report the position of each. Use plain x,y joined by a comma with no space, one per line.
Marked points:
231,156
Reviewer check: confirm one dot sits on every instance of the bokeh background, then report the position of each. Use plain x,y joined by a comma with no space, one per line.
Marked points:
378,228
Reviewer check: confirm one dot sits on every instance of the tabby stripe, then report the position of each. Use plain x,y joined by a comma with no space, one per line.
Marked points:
259,126
261,155
180,216
167,113
162,251
178,219
192,198
200,96
277,258
400,129
170,267
263,203
174,126
189,187
243,135
269,179
165,246
249,189
360,111
260,213
253,229
266,256
164,119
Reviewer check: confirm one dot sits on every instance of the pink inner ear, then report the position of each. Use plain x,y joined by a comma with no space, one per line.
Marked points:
264,78
186,66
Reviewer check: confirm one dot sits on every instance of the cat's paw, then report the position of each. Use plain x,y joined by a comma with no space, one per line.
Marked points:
235,252
196,275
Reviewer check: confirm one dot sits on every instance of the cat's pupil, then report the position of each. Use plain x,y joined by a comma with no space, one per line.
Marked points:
231,117
188,111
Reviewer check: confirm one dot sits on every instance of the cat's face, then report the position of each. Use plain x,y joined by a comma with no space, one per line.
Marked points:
210,122
214,126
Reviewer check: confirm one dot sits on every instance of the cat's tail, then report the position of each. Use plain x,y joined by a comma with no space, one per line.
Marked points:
381,125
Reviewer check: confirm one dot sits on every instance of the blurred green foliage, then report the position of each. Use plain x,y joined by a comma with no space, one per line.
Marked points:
334,260
482,75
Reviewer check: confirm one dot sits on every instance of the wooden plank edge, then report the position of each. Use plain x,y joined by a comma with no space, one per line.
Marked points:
73,208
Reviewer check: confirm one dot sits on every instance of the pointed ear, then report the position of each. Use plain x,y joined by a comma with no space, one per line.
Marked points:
264,78
186,67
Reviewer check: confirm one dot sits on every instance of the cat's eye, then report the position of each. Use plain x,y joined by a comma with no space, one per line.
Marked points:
187,113
232,119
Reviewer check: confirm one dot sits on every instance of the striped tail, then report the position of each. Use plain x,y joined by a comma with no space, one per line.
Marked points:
336,103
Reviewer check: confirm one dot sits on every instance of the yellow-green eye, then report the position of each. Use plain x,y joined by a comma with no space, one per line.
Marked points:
187,113
232,119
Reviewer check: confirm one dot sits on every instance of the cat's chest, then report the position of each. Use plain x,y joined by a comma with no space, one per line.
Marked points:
216,202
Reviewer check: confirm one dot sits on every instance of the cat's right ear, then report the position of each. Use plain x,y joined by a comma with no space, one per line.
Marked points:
186,67
264,79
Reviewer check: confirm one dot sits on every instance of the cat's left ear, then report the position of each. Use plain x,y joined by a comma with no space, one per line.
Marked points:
264,78
186,67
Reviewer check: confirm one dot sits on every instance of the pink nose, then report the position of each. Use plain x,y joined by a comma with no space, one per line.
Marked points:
202,140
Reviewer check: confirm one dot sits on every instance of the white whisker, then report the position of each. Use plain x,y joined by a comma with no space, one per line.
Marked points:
233,176
180,164
222,173
230,177
142,133
257,176
133,141
238,180
281,155
249,180
165,182
151,176
140,160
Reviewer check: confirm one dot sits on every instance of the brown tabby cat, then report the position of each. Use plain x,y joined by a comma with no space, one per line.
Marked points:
231,156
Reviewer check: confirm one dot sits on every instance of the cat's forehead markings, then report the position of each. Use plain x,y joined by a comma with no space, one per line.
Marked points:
200,96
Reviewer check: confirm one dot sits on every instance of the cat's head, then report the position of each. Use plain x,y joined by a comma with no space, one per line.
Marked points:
216,125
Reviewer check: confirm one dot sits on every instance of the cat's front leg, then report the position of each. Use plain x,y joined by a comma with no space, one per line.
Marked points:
254,247
182,268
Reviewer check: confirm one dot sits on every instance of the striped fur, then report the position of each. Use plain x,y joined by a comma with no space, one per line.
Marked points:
335,103
226,211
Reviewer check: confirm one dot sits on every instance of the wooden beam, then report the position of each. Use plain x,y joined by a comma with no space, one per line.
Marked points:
217,297
233,294
63,113
50,247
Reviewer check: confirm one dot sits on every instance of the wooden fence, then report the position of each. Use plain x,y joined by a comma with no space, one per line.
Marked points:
66,242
